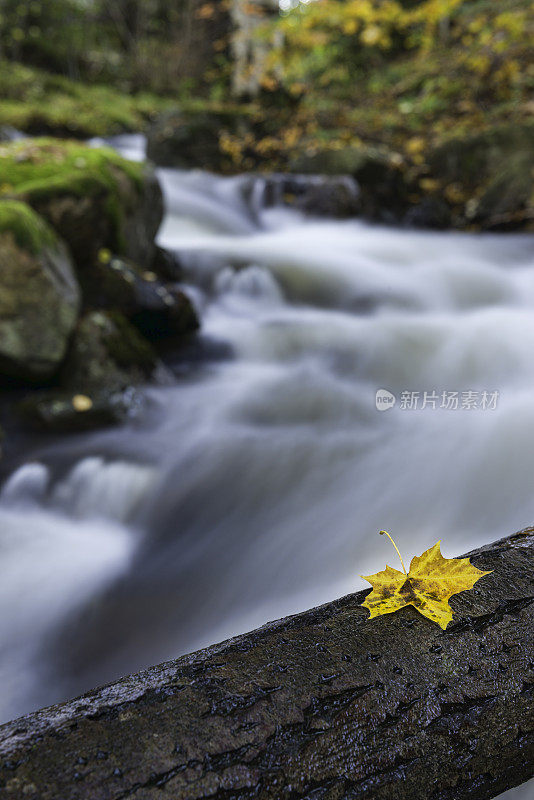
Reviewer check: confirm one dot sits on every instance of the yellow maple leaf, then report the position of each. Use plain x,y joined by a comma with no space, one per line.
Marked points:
80,402
428,585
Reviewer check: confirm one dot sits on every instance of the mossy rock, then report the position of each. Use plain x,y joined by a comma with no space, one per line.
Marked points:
92,197
488,176
39,295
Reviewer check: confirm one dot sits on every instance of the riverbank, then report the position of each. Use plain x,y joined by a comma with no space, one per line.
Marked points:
86,295
472,173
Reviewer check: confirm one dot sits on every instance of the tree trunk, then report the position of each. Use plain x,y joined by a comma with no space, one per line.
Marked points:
324,705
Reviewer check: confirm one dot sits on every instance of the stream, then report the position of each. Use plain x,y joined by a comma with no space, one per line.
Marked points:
253,484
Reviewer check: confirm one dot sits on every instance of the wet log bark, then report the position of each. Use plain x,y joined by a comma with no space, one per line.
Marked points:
324,705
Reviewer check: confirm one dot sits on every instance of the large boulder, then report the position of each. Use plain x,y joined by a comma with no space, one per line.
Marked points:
377,171
92,197
488,177
39,295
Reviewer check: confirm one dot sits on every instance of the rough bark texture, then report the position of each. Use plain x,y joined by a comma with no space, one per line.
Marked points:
320,706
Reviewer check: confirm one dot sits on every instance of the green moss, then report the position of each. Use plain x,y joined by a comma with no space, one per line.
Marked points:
37,167
36,101
28,229
37,170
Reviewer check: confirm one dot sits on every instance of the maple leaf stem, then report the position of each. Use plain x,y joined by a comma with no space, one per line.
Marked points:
396,548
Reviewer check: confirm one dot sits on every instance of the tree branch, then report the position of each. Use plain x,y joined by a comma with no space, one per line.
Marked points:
324,705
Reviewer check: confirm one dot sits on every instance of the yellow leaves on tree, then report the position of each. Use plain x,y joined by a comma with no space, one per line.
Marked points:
428,585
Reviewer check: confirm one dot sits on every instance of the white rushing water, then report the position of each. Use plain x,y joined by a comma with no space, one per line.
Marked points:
254,487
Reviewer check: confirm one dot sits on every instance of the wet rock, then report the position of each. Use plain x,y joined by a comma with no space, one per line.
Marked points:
327,196
156,308
106,355
107,358
166,264
39,295
92,197
377,172
487,177
191,139
64,412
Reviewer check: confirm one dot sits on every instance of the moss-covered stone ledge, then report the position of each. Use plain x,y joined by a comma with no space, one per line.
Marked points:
324,705
92,197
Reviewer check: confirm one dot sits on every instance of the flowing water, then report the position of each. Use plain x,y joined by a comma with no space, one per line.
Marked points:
252,486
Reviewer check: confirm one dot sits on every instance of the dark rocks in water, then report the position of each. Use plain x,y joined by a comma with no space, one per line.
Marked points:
377,172
39,295
64,412
156,308
488,177
191,139
169,314
106,359
336,196
107,354
478,180
166,264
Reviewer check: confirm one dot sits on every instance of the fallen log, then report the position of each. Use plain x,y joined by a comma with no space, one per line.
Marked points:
323,705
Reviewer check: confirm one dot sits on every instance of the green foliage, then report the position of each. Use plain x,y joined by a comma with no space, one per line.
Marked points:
48,32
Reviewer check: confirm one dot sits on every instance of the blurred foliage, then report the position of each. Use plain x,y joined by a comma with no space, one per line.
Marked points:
136,44
401,73
331,44
37,101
